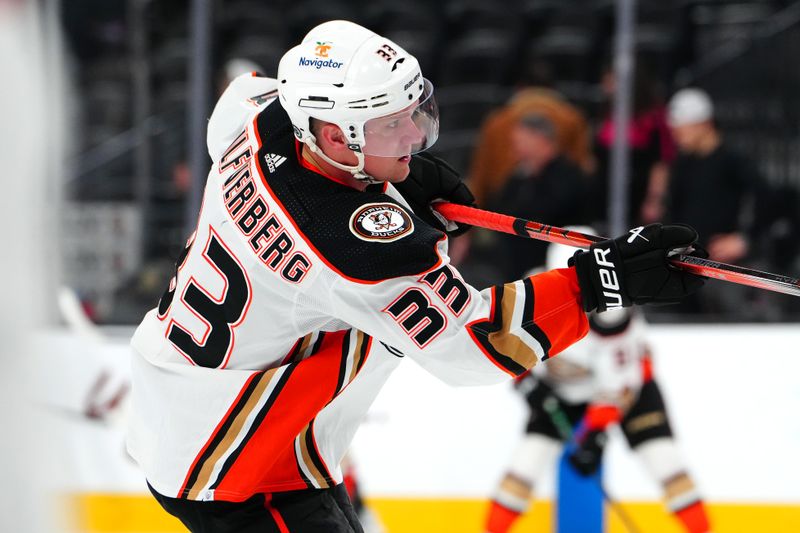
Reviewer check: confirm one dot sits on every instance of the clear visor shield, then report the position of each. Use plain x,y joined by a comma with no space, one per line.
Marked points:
406,132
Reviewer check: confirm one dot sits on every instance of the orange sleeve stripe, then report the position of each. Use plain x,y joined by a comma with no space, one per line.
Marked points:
557,308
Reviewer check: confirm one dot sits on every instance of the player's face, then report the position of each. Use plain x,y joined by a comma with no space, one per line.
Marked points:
390,140
394,138
382,168
410,130
397,135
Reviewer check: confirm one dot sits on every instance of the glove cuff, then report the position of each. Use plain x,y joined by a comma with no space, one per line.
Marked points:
601,278
582,265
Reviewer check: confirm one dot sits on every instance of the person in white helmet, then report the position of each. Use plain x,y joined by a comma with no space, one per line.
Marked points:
316,267
605,379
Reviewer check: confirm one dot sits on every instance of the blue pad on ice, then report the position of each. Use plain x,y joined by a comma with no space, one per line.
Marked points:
579,500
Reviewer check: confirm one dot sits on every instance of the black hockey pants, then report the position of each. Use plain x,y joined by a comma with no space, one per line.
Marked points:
300,511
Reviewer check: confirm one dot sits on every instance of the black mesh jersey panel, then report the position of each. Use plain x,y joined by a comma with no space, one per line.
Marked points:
321,208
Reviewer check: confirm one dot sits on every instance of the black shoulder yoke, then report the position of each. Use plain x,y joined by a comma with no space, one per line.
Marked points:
365,235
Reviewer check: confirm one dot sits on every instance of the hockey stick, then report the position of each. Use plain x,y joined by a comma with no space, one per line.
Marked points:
558,417
543,232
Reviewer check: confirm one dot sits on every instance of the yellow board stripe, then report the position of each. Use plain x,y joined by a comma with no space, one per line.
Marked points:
125,513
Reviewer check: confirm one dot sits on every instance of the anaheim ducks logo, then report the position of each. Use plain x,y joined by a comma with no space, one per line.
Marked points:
380,222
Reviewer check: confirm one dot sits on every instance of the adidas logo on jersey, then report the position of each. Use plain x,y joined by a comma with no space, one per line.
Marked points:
273,161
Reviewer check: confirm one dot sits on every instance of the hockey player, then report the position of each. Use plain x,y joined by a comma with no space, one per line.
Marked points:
315,268
605,379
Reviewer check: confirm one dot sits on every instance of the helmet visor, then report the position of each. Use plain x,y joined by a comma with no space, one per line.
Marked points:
405,132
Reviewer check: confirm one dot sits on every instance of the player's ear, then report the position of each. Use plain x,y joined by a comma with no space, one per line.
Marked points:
331,135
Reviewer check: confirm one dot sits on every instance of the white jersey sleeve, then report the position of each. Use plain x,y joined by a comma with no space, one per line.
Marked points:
245,95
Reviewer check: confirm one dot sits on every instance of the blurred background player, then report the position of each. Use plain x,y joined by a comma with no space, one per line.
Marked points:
605,379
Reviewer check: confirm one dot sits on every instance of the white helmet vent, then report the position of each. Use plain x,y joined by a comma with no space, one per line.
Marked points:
364,105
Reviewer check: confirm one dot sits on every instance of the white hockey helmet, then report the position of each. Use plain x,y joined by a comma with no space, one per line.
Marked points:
366,84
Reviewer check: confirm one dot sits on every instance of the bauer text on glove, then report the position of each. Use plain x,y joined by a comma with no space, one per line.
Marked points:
635,268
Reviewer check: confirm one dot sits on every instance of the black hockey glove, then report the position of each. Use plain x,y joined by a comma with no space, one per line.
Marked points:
432,179
633,269
589,452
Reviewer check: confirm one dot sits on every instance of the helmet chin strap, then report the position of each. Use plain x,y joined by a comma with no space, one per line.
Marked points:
357,171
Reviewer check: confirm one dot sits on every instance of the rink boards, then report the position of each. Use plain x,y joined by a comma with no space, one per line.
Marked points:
429,455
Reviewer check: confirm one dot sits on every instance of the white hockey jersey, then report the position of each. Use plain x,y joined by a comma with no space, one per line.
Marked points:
293,302
607,367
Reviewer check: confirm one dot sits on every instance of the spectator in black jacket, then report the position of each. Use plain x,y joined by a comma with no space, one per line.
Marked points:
711,187
710,184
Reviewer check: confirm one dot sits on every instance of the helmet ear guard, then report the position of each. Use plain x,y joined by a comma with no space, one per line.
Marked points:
367,85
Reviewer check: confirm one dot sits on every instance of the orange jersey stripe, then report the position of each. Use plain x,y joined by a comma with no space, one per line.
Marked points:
557,308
